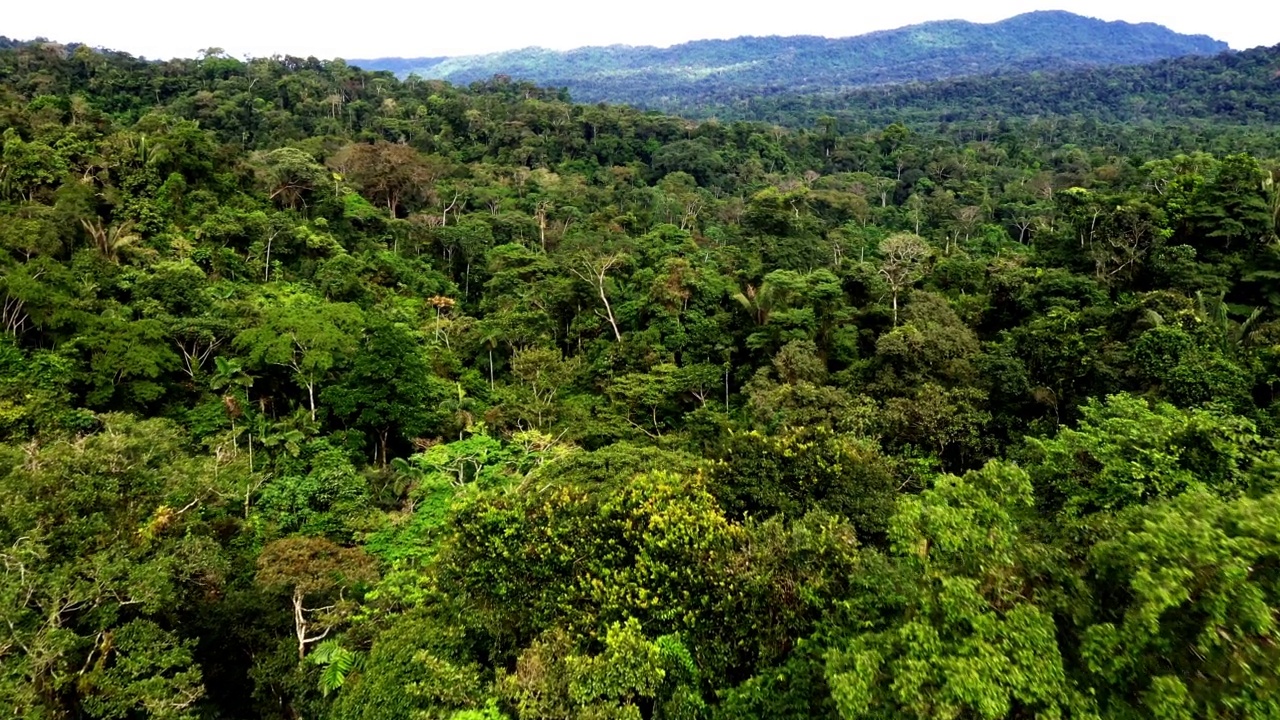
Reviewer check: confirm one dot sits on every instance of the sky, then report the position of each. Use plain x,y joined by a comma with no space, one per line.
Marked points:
428,28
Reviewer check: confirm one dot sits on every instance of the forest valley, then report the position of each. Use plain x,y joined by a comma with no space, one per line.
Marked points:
329,395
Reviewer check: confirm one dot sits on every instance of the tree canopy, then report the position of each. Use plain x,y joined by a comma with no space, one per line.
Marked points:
325,394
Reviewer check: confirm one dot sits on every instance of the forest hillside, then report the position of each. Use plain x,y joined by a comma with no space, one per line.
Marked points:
329,395
698,76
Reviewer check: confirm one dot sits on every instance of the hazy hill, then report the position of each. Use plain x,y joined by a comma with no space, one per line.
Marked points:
1234,88
705,70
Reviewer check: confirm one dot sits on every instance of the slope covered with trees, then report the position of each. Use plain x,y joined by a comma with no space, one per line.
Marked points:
326,395
1231,88
700,75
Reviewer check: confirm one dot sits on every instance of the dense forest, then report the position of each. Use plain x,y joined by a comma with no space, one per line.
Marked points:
328,395
1230,88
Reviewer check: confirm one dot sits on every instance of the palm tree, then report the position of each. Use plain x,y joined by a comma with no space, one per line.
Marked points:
1232,337
757,301
110,240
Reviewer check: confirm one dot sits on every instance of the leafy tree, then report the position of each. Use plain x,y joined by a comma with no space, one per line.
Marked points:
805,469
552,681
1187,610
96,568
389,389
309,336
1126,452
543,374
417,666
314,570
390,174
972,644
291,176
902,265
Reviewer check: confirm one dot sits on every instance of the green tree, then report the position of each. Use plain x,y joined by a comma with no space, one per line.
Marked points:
314,570
1186,621
309,336
96,569
1127,452
972,644
902,264
389,390
796,471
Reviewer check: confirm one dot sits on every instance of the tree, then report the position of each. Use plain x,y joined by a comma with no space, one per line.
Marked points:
111,240
314,570
594,270
799,470
91,571
552,680
543,374
389,388
1127,452
939,419
793,391
1131,231
970,645
290,176
1186,622
649,391
652,548
309,336
144,669
417,665
1233,206
902,264
126,359
390,174
27,167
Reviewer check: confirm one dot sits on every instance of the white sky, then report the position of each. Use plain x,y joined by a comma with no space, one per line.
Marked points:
425,28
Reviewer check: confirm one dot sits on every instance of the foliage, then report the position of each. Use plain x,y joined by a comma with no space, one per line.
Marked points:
1125,453
325,394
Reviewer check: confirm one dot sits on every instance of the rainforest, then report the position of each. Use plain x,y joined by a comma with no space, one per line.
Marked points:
326,394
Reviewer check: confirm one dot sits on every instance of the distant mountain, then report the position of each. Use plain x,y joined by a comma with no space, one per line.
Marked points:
399,66
1238,88
707,70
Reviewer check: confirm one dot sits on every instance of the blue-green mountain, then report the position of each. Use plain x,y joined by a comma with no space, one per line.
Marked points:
710,72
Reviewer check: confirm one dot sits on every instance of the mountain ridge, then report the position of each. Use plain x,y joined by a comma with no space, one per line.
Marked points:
662,78
1237,88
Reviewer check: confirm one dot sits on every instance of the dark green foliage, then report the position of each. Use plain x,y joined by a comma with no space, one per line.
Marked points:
324,394
796,471
412,667
1125,453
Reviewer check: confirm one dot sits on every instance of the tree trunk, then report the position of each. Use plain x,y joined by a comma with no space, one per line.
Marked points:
299,624
616,334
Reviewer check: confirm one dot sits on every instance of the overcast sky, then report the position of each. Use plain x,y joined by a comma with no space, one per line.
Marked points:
424,28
